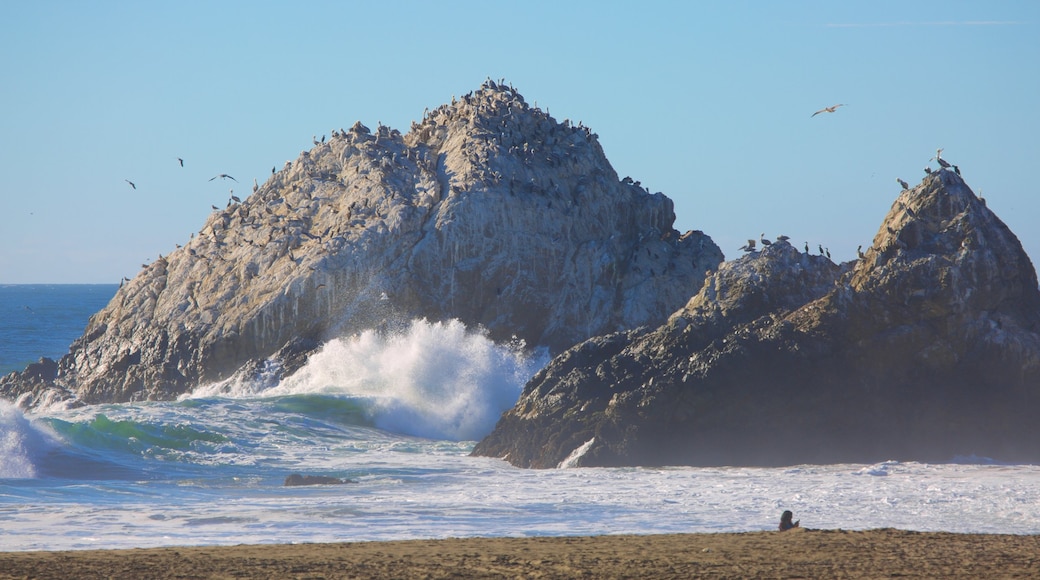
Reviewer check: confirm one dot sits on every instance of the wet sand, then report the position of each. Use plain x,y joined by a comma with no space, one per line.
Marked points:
799,553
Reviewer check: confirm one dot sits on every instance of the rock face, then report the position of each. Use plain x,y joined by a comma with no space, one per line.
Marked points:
489,211
924,349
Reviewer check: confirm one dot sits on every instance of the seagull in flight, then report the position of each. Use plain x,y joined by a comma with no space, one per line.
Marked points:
131,183
830,109
181,161
223,176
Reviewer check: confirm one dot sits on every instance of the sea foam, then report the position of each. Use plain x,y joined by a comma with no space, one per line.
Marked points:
437,380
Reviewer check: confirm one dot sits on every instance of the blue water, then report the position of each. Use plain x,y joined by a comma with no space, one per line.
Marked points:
41,320
398,417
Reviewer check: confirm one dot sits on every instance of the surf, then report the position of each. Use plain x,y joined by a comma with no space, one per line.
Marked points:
437,380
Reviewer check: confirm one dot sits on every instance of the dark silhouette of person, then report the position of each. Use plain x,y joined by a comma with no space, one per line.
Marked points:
785,521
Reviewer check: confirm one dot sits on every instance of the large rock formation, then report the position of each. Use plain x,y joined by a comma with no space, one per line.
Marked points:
489,211
925,348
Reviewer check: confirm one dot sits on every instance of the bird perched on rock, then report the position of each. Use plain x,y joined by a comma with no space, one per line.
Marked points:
830,109
903,184
749,246
762,238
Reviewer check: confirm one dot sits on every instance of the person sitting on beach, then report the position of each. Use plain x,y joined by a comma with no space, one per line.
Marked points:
785,521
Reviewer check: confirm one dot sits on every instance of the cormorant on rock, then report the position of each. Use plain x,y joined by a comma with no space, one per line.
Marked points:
928,170
806,247
859,251
830,109
902,183
957,169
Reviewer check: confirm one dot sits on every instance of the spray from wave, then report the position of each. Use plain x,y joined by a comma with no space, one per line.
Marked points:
436,380
22,444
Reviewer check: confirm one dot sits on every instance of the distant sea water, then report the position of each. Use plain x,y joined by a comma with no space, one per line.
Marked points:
398,416
38,320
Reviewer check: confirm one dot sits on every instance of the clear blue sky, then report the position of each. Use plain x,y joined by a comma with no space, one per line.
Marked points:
707,102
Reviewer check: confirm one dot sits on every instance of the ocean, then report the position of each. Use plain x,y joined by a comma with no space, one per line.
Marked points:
398,416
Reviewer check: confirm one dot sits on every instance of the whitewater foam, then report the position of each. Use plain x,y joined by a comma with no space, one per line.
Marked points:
438,380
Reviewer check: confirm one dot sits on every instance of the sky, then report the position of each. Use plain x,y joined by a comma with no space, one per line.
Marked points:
707,102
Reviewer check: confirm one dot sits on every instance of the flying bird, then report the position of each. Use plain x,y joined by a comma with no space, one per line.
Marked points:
181,161
223,176
830,109
131,183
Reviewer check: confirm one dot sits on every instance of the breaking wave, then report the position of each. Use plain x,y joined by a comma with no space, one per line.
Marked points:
437,380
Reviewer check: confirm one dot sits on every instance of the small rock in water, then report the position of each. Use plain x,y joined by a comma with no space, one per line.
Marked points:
298,479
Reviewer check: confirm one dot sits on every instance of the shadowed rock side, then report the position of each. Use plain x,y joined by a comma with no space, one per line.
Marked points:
924,349
488,211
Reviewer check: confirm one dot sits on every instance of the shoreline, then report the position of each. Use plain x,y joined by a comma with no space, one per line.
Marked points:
796,553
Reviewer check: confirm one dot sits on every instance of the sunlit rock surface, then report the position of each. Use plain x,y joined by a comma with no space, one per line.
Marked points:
488,211
925,348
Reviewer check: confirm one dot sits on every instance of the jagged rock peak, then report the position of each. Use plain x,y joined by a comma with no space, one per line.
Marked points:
925,348
942,233
488,212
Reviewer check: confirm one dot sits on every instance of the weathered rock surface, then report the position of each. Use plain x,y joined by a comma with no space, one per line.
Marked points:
924,349
489,211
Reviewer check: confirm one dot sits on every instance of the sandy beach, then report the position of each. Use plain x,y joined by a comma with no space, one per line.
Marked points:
800,553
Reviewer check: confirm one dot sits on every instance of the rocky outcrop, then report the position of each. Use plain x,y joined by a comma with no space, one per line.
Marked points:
925,348
488,211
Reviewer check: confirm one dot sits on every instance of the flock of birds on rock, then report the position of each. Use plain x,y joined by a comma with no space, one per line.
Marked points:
944,165
751,245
